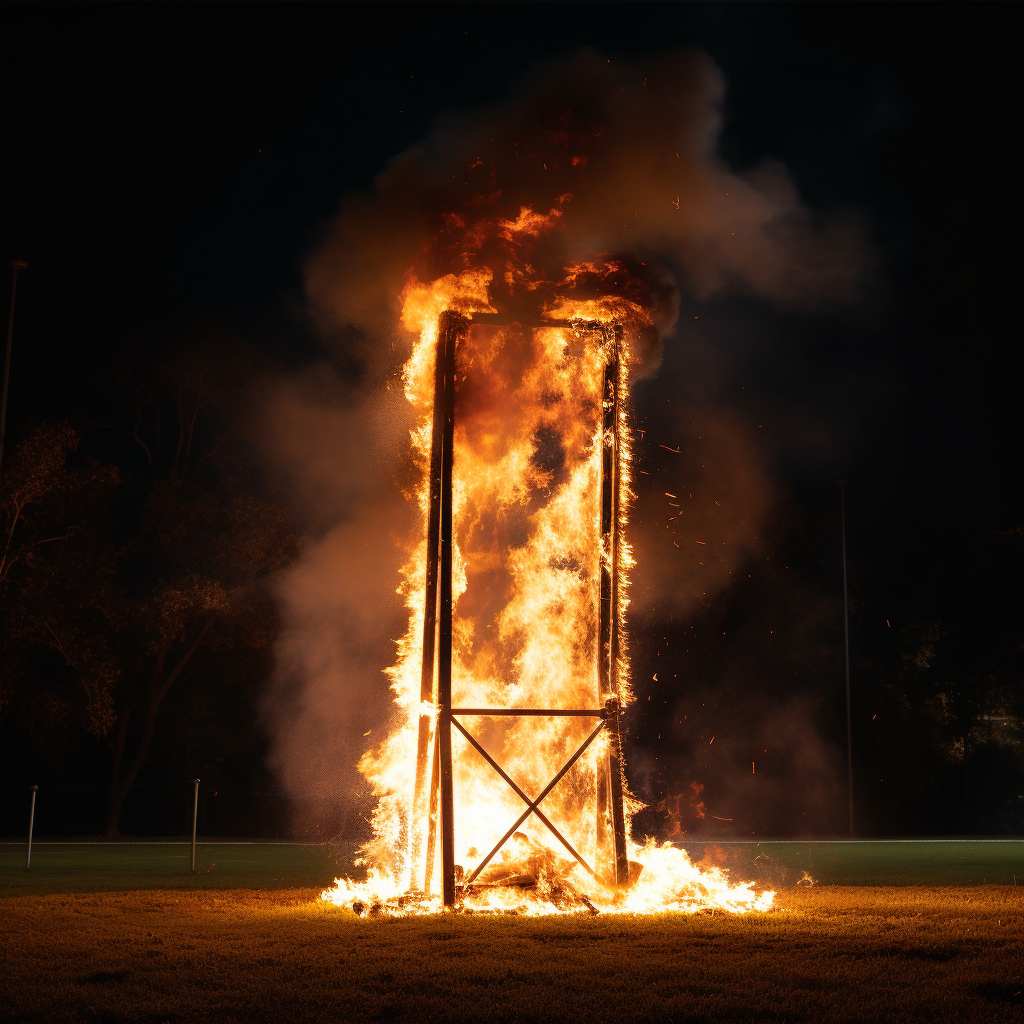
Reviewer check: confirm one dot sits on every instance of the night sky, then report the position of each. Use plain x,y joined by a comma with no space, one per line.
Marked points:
168,167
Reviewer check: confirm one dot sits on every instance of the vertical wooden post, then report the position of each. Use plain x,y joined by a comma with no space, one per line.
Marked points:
416,825
450,327
609,788
428,870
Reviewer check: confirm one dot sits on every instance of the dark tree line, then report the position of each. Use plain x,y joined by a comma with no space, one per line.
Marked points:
137,628
937,663
940,688
136,553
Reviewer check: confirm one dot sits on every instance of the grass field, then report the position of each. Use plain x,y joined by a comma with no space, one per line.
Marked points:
115,867
246,942
829,954
873,862
105,866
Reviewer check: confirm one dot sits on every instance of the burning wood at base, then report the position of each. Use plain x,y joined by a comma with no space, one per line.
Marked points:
527,869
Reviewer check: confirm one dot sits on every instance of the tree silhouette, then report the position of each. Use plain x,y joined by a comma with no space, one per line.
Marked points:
122,579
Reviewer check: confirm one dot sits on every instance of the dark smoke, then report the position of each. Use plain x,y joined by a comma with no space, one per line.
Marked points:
635,147
625,156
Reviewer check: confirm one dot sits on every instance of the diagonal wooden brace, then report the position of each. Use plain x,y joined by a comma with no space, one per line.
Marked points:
526,800
535,803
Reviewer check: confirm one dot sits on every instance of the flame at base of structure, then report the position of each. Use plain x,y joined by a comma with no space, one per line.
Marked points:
531,882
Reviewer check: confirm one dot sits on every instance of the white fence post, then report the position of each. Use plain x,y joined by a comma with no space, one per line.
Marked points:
31,823
195,818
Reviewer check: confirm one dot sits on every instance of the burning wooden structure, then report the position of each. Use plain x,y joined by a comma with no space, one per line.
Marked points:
500,786
433,807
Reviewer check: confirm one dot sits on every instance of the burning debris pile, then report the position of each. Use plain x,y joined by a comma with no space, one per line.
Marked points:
501,787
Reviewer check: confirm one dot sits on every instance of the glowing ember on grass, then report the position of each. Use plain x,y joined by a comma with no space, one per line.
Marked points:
539,493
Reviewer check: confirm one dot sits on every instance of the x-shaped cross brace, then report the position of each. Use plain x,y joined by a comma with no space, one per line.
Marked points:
532,806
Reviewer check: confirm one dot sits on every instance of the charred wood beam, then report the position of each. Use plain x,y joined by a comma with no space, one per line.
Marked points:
451,327
610,788
504,320
429,600
432,817
543,712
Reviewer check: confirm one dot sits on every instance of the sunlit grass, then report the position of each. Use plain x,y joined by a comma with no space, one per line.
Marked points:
826,954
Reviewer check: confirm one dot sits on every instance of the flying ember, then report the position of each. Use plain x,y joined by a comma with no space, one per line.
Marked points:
502,787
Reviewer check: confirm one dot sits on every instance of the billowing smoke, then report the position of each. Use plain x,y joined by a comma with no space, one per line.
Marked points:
626,155
623,159
338,451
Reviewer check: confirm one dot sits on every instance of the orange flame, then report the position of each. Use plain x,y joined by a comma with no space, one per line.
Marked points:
527,561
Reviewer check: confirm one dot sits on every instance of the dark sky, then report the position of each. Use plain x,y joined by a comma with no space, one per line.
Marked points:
168,164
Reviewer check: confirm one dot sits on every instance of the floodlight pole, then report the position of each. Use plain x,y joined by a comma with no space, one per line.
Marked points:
15,266
31,822
195,819
846,640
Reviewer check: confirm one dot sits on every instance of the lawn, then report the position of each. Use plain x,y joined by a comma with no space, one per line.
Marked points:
873,862
124,933
826,954
115,867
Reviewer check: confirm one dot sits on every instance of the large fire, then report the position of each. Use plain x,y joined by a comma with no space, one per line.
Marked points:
530,447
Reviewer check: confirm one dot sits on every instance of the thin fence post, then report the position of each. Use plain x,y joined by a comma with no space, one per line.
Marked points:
846,642
195,818
31,823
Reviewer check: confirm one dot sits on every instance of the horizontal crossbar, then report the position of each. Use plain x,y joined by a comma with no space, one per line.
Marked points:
551,712
502,320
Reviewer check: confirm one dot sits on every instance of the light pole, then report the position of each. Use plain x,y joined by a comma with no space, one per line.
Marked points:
846,638
15,266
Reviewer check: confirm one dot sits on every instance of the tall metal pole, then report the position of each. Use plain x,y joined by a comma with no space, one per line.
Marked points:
15,266
31,823
195,818
846,639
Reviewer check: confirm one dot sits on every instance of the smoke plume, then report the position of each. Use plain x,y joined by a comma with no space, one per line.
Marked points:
623,159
